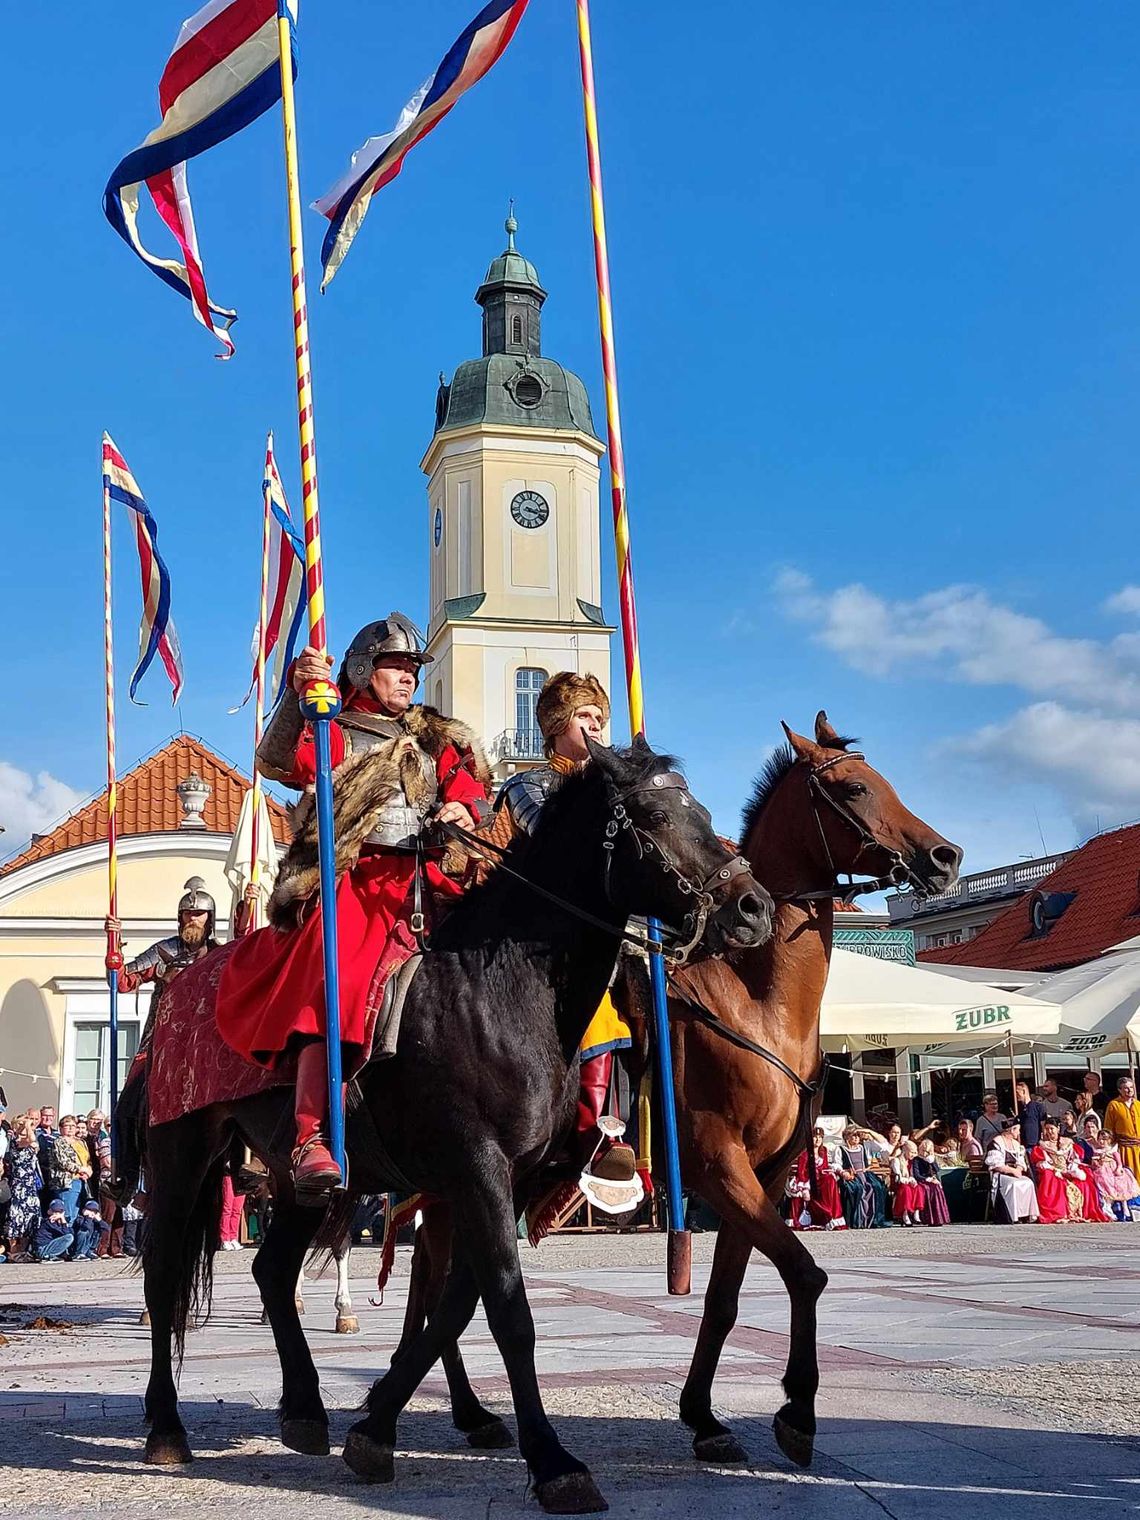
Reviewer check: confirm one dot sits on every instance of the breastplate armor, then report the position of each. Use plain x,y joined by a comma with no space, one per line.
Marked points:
398,824
523,795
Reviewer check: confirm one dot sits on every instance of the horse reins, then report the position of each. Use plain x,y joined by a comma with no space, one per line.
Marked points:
619,822
899,874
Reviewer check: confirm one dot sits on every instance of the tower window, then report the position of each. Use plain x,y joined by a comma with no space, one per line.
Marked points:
528,390
516,329
529,681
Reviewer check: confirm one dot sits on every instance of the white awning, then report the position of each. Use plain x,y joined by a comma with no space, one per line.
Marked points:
1100,1002
870,1003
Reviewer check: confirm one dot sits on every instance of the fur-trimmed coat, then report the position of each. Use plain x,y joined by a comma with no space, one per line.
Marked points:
363,784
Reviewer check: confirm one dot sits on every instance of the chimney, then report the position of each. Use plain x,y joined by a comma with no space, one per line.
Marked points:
193,794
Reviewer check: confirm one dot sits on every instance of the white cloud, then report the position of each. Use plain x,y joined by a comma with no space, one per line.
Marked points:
31,804
961,633
1126,600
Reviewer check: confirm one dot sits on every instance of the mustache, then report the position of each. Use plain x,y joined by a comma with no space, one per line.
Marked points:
192,934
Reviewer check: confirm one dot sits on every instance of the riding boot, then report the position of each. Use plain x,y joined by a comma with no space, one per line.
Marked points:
613,1159
315,1173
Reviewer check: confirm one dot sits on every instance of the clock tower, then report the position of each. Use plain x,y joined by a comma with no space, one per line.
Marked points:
513,525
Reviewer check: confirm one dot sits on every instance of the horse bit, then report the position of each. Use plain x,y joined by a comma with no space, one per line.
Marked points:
647,848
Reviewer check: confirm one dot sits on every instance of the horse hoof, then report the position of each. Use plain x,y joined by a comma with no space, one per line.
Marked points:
308,1436
796,1445
368,1459
347,1324
493,1436
573,1493
721,1449
299,1304
167,1451
144,1317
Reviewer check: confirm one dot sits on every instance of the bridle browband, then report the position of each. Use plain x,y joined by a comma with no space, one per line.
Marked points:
676,954
899,874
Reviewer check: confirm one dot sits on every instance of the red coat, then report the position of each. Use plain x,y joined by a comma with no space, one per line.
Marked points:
274,986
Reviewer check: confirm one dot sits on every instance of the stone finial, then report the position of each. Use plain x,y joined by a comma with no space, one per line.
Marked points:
193,794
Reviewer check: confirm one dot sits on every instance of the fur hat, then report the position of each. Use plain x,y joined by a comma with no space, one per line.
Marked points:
561,698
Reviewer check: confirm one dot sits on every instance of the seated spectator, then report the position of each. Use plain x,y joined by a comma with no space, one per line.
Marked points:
88,1230
1031,1114
1081,1176
925,1170
55,1236
1085,1141
1012,1190
1058,1197
864,1194
1117,1185
894,1138
989,1122
819,1197
908,1197
969,1147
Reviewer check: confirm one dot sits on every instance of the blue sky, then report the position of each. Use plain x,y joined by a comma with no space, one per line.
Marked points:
877,317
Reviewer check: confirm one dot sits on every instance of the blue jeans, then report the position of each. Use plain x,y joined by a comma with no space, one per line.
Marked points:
69,1197
56,1248
87,1234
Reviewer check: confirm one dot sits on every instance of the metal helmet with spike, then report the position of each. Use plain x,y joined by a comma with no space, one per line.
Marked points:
195,899
395,634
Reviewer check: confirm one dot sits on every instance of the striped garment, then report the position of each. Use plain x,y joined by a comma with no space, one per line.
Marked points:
157,633
473,53
223,74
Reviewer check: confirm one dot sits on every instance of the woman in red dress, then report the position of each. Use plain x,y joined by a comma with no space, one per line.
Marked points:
1058,1196
909,1194
1092,1210
404,762
823,1203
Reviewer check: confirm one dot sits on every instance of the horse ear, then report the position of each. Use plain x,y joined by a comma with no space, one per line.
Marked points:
824,733
607,760
641,747
804,748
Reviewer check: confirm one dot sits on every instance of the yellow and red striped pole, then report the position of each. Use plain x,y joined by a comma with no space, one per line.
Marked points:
114,958
259,714
321,700
680,1248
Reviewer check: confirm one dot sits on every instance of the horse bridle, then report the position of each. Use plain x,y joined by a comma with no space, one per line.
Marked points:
648,848
899,873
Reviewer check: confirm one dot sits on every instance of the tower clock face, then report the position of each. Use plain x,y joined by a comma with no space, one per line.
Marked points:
529,509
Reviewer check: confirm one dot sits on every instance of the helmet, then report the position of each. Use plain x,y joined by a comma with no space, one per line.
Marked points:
196,899
395,634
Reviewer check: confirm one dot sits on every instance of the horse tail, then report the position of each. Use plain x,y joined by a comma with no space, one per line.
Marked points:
188,1272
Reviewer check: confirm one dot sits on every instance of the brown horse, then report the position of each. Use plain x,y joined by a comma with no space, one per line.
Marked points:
817,811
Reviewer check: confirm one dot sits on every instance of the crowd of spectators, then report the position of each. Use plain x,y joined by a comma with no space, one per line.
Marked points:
50,1205
1056,1160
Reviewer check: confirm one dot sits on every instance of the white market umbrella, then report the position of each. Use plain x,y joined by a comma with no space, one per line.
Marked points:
1100,1002
870,1003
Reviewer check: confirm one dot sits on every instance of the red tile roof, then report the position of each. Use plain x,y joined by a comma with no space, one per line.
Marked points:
1104,874
148,803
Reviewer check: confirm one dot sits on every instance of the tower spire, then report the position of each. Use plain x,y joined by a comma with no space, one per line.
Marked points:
512,226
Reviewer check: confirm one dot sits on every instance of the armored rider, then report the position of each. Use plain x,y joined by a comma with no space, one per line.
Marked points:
572,708
165,959
397,766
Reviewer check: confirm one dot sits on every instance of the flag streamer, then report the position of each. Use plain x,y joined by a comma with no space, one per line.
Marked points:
222,75
473,53
284,615
157,633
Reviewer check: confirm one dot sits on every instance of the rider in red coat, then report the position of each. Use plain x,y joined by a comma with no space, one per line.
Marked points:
394,764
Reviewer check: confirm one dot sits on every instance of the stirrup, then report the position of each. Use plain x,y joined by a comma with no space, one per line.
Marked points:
322,1180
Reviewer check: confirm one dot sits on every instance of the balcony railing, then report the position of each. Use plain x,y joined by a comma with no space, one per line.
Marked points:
1006,881
517,744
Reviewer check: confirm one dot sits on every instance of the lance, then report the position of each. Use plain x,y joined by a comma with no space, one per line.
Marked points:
259,713
680,1241
113,960
320,701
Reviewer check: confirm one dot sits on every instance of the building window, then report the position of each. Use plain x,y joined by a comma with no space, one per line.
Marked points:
516,329
529,681
91,1069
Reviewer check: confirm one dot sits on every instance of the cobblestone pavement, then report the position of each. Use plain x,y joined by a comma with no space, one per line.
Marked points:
962,1369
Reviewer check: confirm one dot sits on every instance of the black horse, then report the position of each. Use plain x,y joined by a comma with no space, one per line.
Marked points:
480,1092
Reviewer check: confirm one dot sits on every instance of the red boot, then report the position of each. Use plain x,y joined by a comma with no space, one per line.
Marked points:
315,1173
611,1158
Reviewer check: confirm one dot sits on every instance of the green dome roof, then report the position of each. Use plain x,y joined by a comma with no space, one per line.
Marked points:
501,388
510,268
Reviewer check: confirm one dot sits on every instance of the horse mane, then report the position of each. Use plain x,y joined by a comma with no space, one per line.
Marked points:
558,823
773,771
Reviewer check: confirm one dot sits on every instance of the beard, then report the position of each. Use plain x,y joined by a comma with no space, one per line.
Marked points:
192,935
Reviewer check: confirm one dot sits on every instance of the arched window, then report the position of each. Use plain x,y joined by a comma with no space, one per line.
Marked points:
529,681
516,329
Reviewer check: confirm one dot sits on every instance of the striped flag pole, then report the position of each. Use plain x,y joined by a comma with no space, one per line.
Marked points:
320,702
680,1241
114,957
259,712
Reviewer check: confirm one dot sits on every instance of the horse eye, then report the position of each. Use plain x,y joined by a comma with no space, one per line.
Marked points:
659,817
855,789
